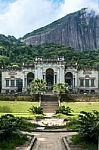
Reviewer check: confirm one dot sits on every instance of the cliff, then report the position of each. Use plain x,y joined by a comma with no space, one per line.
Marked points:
79,30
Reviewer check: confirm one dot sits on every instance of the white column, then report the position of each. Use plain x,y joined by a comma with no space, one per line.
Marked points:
54,78
58,76
44,77
76,80
23,81
89,82
24,88
39,73
84,83
36,73
62,73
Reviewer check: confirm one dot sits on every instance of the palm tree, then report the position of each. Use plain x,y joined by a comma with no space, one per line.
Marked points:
60,89
37,86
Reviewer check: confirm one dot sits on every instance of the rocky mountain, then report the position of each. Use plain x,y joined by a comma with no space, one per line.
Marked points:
79,30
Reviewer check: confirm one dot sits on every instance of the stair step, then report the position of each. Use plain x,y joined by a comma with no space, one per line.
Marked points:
49,103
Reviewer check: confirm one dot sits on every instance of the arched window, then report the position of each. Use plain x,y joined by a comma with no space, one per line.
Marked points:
69,79
30,77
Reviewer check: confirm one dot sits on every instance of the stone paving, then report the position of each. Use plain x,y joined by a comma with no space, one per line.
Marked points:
50,140
50,122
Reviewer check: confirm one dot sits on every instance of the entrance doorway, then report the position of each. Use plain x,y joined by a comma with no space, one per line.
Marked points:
69,79
50,78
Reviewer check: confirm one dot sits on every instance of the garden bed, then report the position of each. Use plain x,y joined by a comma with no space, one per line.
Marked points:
75,142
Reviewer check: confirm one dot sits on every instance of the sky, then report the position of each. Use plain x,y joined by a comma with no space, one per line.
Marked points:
18,17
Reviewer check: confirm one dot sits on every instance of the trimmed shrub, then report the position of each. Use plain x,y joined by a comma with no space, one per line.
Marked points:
36,110
64,110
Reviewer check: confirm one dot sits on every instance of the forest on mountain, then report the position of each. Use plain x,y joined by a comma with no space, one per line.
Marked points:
13,53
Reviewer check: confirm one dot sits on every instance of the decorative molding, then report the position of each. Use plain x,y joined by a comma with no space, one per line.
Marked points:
11,73
87,72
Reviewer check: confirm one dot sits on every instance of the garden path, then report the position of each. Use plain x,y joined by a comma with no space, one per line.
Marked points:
50,140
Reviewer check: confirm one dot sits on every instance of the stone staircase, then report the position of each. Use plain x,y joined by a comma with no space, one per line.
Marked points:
49,103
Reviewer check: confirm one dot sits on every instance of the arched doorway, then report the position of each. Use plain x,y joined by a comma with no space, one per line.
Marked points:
50,78
30,77
69,79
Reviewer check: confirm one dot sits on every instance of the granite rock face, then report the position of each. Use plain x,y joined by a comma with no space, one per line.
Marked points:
79,30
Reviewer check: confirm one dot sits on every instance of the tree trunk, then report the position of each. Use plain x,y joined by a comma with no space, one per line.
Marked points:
59,99
39,99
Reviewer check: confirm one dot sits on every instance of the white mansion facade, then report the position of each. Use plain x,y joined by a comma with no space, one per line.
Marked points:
53,71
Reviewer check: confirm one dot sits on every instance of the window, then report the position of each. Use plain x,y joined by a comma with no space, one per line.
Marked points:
7,83
12,91
7,91
19,84
87,91
81,91
12,83
92,82
92,91
82,82
86,82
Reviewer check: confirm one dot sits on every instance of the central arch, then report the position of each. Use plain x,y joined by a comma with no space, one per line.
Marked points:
50,78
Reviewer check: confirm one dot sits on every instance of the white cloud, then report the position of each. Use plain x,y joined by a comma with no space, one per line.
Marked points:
23,16
70,6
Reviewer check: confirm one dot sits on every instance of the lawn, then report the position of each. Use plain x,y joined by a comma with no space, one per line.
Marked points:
18,109
82,106
16,106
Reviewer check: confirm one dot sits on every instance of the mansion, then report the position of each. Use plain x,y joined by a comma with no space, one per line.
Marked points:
52,71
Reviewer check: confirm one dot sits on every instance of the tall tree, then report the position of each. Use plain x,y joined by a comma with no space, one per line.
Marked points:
37,86
60,89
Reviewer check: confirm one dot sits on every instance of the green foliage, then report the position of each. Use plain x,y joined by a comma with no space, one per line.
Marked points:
37,86
89,125
78,140
64,110
9,124
13,53
61,88
72,124
10,143
36,110
10,135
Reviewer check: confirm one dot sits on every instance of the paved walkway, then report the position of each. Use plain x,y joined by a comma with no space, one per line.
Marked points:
50,140
50,122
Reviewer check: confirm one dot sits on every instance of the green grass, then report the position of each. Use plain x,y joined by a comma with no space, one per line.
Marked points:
25,115
82,106
18,109
16,106
65,116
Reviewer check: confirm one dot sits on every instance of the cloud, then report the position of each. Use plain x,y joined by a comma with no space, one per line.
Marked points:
70,6
23,16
